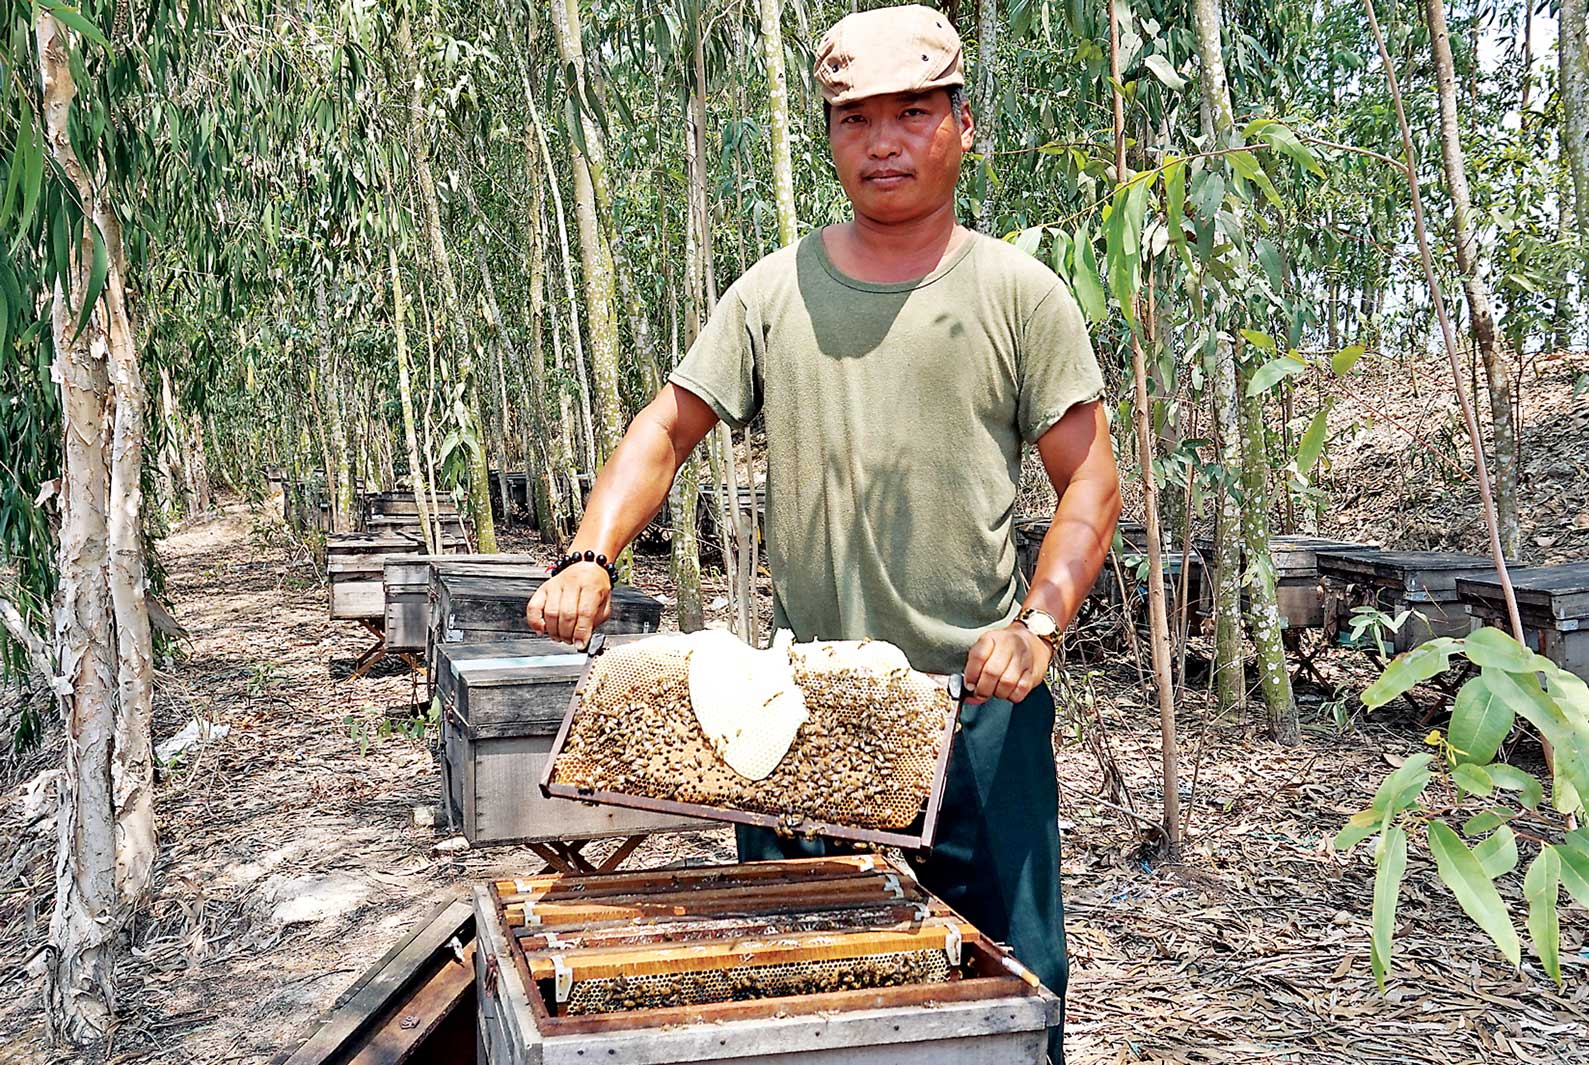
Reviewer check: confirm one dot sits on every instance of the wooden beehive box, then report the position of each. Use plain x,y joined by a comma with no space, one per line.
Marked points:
1299,589
355,568
1552,603
468,607
712,938
501,704
406,580
1393,581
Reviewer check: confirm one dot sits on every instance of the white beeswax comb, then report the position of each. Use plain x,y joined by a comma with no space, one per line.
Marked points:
745,700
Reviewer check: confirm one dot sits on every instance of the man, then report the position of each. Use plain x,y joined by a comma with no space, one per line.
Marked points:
899,361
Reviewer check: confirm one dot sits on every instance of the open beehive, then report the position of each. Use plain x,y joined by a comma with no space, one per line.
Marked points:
775,958
867,764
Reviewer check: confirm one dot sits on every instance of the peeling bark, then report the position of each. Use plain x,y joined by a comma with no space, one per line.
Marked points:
106,841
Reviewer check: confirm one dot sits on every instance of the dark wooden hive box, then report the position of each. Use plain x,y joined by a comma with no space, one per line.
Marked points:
406,581
1552,603
1393,581
501,704
1299,587
468,607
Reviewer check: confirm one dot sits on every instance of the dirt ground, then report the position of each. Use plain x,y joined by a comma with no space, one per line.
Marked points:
290,860
290,856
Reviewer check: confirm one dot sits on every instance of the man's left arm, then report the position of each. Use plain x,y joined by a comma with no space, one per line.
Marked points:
1008,663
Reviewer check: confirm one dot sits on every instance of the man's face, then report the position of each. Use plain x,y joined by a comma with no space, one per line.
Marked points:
898,155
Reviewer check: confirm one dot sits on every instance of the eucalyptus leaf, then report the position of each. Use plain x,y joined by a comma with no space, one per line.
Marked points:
1164,71
1273,372
1480,723
1472,779
1408,670
1465,876
1510,778
1390,865
1542,888
1497,854
1312,443
1343,361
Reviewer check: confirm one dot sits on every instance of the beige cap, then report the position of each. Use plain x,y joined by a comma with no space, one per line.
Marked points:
892,49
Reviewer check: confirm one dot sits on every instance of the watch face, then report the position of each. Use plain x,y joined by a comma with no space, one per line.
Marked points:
1039,623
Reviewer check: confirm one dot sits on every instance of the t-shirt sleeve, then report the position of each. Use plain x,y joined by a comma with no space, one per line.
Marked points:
1057,364
722,366
1058,368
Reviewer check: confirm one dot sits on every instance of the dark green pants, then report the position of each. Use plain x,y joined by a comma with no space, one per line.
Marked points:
996,855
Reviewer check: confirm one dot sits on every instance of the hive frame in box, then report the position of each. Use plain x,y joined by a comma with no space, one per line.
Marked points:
904,839
997,1014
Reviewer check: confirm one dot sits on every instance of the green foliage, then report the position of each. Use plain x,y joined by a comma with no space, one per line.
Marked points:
1512,682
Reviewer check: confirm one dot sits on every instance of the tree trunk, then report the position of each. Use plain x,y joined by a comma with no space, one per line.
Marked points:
985,113
197,465
539,473
1562,312
479,475
1158,614
778,112
1481,315
1573,91
106,841
339,477
1229,652
405,396
1274,676
596,256
1211,80
566,427
569,419
1230,656
683,498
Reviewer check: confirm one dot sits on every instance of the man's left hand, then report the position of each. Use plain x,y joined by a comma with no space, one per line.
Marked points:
1006,663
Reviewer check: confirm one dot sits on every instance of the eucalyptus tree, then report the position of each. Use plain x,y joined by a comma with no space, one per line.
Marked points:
1573,91
465,398
1481,313
587,160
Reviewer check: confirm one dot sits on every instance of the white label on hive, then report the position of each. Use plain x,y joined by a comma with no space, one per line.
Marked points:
518,662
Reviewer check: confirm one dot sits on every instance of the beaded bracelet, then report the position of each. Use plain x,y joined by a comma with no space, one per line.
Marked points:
584,556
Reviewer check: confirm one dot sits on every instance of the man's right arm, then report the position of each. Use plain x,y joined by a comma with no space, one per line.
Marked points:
628,492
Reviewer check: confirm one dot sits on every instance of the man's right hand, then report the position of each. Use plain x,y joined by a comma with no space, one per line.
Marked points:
570,605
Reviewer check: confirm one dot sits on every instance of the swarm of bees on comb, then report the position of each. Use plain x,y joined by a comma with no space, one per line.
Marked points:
864,758
751,982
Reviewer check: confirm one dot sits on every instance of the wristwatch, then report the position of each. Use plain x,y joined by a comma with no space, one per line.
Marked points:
1041,623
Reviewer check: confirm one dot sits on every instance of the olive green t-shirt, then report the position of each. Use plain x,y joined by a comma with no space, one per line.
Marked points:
895,415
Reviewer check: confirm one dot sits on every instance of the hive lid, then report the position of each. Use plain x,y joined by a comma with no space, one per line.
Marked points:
515,587
1560,592
1433,572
